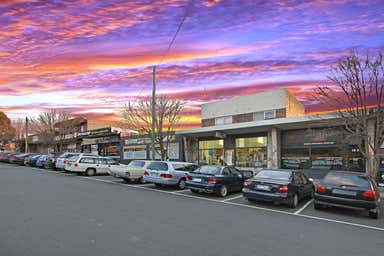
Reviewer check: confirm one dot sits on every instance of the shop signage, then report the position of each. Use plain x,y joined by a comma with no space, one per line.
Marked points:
220,135
100,131
308,137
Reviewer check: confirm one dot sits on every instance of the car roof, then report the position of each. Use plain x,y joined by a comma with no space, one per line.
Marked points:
283,170
349,172
170,162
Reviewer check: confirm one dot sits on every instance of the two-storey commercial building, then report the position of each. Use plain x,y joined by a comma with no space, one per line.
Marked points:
269,129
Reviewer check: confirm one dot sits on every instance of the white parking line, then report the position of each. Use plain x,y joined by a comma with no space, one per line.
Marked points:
305,206
244,205
232,198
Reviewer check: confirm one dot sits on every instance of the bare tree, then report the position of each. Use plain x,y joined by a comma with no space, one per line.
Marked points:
45,127
137,116
19,125
66,129
358,94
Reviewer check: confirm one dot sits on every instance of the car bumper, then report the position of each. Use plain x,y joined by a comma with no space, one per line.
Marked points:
344,202
159,180
207,188
265,196
122,175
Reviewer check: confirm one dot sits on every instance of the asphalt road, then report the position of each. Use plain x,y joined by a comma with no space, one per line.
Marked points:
47,213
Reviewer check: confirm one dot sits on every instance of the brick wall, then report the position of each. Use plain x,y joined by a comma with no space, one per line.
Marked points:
242,118
280,113
208,122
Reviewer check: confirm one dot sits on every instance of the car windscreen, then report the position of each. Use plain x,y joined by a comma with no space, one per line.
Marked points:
208,170
346,179
274,175
160,166
136,164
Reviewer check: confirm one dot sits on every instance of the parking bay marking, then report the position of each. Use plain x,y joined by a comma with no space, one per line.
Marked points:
232,198
246,206
302,208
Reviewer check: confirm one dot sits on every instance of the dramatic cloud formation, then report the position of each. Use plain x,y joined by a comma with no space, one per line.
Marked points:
91,56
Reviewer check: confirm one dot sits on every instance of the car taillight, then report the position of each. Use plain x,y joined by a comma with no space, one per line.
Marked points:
211,180
371,194
146,173
166,175
283,189
65,161
245,184
76,164
321,189
188,177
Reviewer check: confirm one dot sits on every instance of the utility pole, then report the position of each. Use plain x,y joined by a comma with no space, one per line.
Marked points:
153,113
26,134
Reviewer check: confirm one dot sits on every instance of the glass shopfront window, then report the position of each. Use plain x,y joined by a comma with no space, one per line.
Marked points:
251,152
328,158
295,158
110,150
211,152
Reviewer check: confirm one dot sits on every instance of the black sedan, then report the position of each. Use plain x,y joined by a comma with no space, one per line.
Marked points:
348,190
282,186
215,179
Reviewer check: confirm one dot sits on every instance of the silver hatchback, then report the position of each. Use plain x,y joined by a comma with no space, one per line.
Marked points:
166,173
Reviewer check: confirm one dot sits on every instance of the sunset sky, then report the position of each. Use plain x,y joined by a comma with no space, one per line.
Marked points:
92,56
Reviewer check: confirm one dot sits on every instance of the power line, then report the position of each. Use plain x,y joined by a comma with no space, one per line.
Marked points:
190,4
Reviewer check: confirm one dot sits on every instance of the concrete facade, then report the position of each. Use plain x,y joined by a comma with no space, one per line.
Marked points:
255,107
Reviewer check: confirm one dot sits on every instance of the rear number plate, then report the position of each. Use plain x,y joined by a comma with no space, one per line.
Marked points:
196,179
343,192
154,174
263,187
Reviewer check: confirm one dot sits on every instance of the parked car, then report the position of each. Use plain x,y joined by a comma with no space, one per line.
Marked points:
62,159
19,159
3,156
166,173
31,160
348,190
282,186
215,179
13,158
74,157
89,165
41,161
134,171
53,158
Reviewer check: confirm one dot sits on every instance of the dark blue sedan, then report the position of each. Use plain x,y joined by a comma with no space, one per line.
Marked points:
215,179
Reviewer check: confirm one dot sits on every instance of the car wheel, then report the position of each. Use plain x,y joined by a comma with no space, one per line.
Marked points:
140,180
294,201
127,180
223,191
374,214
90,172
194,191
158,185
181,184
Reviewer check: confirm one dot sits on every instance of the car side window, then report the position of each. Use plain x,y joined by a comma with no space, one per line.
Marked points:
297,178
87,160
102,161
234,171
226,171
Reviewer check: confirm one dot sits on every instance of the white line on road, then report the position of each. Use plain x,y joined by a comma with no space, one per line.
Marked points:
305,206
243,205
232,198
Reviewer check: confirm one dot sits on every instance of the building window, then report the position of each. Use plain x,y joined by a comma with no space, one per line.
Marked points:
270,114
251,152
295,158
211,152
223,120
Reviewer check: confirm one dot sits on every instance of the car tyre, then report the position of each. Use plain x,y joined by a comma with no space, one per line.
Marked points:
127,180
181,184
195,191
294,201
375,213
140,180
90,172
158,185
223,191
